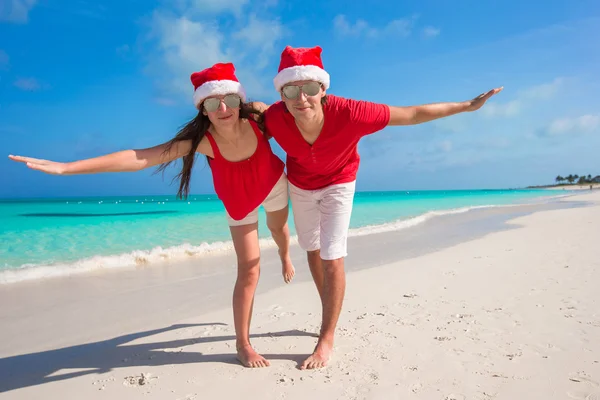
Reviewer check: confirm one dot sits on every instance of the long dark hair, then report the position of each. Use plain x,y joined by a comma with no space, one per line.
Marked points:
195,131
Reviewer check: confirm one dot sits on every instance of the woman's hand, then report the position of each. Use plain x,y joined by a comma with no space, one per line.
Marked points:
49,167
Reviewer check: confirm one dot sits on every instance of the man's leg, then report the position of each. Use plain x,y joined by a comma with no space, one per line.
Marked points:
332,297
316,269
335,209
307,220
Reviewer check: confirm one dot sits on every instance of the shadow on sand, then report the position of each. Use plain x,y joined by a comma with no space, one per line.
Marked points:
33,369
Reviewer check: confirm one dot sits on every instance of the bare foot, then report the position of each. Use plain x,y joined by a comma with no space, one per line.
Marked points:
287,270
250,358
320,357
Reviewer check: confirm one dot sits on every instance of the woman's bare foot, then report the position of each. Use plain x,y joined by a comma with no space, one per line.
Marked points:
250,358
287,269
320,357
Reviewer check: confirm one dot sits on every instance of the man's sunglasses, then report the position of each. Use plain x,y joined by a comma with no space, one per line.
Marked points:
292,92
213,104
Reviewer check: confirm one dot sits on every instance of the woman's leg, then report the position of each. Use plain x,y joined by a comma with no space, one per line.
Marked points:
277,223
276,208
245,242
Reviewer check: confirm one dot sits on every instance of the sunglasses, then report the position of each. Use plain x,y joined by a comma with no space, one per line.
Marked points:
292,92
213,104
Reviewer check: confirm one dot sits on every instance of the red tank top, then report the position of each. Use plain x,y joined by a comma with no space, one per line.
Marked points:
244,185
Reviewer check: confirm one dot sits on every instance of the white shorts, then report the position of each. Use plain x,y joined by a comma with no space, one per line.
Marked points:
275,201
322,218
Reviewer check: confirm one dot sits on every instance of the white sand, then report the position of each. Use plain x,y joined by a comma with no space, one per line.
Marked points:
512,315
595,186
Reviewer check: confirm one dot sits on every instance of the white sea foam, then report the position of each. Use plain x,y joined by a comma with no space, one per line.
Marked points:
135,258
410,222
188,251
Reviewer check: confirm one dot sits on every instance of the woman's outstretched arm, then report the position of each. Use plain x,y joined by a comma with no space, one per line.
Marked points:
120,161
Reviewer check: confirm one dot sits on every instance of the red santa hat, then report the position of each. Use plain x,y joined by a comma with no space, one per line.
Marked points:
301,64
218,79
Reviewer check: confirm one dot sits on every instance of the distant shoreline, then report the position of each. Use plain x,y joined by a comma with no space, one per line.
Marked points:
567,186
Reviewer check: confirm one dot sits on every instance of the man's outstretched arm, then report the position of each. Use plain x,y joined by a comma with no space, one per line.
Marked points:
412,115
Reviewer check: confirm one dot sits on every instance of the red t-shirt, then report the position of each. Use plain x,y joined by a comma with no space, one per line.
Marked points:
333,158
244,185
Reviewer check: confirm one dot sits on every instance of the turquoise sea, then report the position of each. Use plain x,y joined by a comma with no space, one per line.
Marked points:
52,237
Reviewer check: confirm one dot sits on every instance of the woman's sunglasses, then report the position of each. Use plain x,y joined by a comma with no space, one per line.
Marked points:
292,92
213,104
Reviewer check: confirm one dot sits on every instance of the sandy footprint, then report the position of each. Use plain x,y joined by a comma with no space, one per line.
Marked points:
286,314
210,330
416,387
139,380
589,391
455,397
584,395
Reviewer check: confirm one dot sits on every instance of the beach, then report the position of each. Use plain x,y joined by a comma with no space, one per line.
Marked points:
493,303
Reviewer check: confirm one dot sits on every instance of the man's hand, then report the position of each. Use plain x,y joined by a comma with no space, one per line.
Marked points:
413,115
480,100
258,106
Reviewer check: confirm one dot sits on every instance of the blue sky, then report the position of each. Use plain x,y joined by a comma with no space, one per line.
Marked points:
81,78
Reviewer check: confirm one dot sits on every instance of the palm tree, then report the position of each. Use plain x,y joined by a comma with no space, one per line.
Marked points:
589,178
570,178
559,179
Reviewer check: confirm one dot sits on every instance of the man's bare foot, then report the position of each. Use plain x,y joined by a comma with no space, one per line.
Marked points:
287,270
320,357
250,358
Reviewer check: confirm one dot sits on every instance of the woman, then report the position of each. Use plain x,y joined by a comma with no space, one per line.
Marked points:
246,174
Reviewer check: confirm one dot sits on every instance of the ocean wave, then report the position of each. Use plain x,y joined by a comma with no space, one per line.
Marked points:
188,251
133,259
410,222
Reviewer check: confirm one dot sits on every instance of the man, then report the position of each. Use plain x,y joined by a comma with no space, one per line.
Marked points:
320,134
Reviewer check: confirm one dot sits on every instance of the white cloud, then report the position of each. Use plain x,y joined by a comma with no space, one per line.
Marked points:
16,11
444,145
525,98
398,27
260,35
545,91
508,109
165,101
497,142
183,44
402,27
583,124
196,8
455,124
30,84
345,28
430,31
